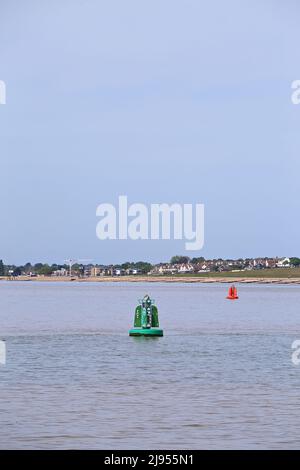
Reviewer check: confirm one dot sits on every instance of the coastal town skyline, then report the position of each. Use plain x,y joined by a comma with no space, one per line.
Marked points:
179,264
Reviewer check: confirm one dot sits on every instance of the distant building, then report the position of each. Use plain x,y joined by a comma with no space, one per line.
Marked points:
59,272
283,263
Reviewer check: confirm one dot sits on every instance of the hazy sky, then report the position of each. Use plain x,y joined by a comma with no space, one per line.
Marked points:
161,100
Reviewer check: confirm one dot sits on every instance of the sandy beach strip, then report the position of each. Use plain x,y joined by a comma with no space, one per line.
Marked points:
165,279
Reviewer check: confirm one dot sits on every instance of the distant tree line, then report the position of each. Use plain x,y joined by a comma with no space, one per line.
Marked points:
78,269
2,268
142,266
185,259
38,269
295,261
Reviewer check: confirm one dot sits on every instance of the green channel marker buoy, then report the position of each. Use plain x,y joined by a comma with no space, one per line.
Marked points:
146,321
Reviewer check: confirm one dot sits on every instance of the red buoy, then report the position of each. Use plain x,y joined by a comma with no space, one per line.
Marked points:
232,293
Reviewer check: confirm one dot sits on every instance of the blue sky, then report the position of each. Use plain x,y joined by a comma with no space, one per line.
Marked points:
164,101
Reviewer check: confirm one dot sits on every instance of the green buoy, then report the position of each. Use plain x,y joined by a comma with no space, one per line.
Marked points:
146,321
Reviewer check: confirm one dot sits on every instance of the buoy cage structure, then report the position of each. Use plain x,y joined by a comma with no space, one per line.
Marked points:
146,321
232,293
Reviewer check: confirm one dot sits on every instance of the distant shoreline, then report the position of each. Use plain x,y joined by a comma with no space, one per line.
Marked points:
166,279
